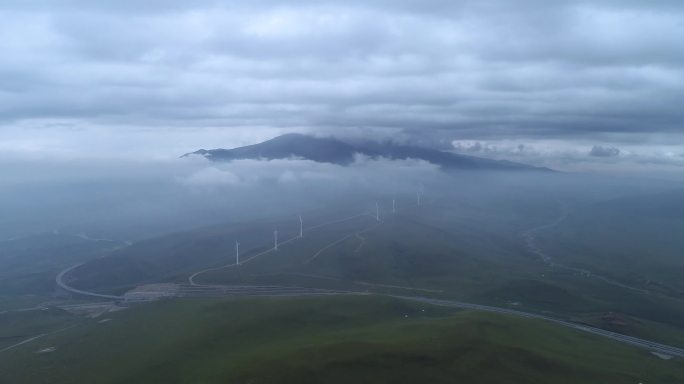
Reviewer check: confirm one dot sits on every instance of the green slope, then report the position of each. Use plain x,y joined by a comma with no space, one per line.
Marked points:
326,340
449,250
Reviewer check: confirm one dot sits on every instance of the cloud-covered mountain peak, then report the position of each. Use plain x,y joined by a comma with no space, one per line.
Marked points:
341,152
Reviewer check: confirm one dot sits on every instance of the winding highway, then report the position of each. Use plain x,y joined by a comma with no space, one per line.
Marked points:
256,290
190,290
641,343
60,282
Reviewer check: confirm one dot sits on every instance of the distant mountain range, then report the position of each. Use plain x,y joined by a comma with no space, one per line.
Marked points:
336,151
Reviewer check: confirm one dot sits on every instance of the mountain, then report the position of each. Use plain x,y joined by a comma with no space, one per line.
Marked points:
336,151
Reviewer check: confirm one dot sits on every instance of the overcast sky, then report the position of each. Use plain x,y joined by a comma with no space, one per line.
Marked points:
557,83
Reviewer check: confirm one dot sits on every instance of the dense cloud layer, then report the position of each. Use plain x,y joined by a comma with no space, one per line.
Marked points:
166,77
136,199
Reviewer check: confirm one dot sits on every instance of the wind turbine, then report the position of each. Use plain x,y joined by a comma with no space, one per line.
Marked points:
301,227
377,212
420,193
275,240
394,206
237,253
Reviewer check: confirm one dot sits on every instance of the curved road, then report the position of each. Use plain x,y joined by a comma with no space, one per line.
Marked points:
60,282
218,290
641,343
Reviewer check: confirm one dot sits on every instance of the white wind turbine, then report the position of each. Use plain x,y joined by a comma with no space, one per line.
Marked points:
301,227
237,253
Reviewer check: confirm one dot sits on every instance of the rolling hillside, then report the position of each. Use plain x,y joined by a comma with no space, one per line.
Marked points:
326,340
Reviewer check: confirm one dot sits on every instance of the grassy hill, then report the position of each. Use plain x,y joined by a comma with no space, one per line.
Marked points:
326,340
635,240
28,265
454,248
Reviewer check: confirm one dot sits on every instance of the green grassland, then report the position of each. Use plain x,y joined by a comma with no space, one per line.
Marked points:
330,340
455,246
29,265
633,241
636,240
410,249
451,248
18,326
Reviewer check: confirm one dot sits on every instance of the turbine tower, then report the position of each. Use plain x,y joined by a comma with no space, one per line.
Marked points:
237,253
377,212
394,206
301,227
420,193
275,240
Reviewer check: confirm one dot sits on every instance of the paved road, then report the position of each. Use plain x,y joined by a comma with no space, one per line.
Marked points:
60,282
189,290
646,344
364,283
255,290
30,339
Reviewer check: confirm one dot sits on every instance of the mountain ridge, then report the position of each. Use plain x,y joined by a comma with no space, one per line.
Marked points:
340,152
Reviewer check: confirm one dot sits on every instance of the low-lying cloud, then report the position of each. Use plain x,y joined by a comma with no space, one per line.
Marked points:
579,155
365,174
133,199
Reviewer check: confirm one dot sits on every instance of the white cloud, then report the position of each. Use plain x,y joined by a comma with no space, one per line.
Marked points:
581,155
212,177
83,78
364,172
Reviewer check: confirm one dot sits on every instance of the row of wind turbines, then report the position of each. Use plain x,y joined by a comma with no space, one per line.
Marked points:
419,197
